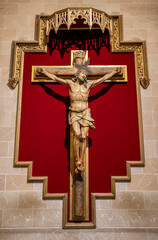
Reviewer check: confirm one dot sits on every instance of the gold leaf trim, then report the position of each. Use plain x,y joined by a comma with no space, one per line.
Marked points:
139,49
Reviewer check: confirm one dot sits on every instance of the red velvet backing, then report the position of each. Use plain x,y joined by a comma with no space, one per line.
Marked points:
44,134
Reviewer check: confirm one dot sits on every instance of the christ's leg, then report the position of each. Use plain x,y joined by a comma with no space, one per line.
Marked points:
76,145
76,148
83,143
84,134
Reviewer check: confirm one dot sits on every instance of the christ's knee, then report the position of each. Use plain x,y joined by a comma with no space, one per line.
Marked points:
77,134
76,130
83,137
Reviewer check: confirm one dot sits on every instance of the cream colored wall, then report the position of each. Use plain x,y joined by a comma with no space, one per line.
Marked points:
134,212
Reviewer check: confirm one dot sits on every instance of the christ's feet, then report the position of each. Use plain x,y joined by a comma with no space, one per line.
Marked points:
79,167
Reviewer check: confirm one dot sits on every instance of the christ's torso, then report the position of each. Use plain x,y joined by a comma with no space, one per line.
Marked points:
78,96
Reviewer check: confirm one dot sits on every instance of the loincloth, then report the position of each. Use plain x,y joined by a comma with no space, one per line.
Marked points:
81,117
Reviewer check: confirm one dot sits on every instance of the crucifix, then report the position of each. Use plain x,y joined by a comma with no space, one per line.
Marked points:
79,78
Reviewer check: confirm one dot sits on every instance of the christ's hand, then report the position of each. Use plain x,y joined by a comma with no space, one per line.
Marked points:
39,70
118,70
45,71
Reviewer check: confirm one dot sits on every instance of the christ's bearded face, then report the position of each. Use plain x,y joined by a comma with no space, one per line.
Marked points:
82,76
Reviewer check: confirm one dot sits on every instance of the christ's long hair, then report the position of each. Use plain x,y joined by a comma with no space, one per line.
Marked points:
80,68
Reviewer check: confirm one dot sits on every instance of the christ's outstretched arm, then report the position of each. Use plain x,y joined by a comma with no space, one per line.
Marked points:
51,75
105,77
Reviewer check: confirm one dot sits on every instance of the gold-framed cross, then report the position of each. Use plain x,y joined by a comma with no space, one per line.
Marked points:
79,193
96,71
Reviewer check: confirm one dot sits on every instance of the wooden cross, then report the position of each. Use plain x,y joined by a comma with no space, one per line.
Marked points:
79,194
96,71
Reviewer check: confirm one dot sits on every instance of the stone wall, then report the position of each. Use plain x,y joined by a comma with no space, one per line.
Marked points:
134,212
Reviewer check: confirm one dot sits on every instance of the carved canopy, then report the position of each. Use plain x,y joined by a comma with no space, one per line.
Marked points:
69,16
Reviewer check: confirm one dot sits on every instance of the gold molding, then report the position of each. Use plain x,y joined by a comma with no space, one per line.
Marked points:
21,47
139,49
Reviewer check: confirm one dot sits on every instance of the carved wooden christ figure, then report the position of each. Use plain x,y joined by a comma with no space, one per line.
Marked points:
79,113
